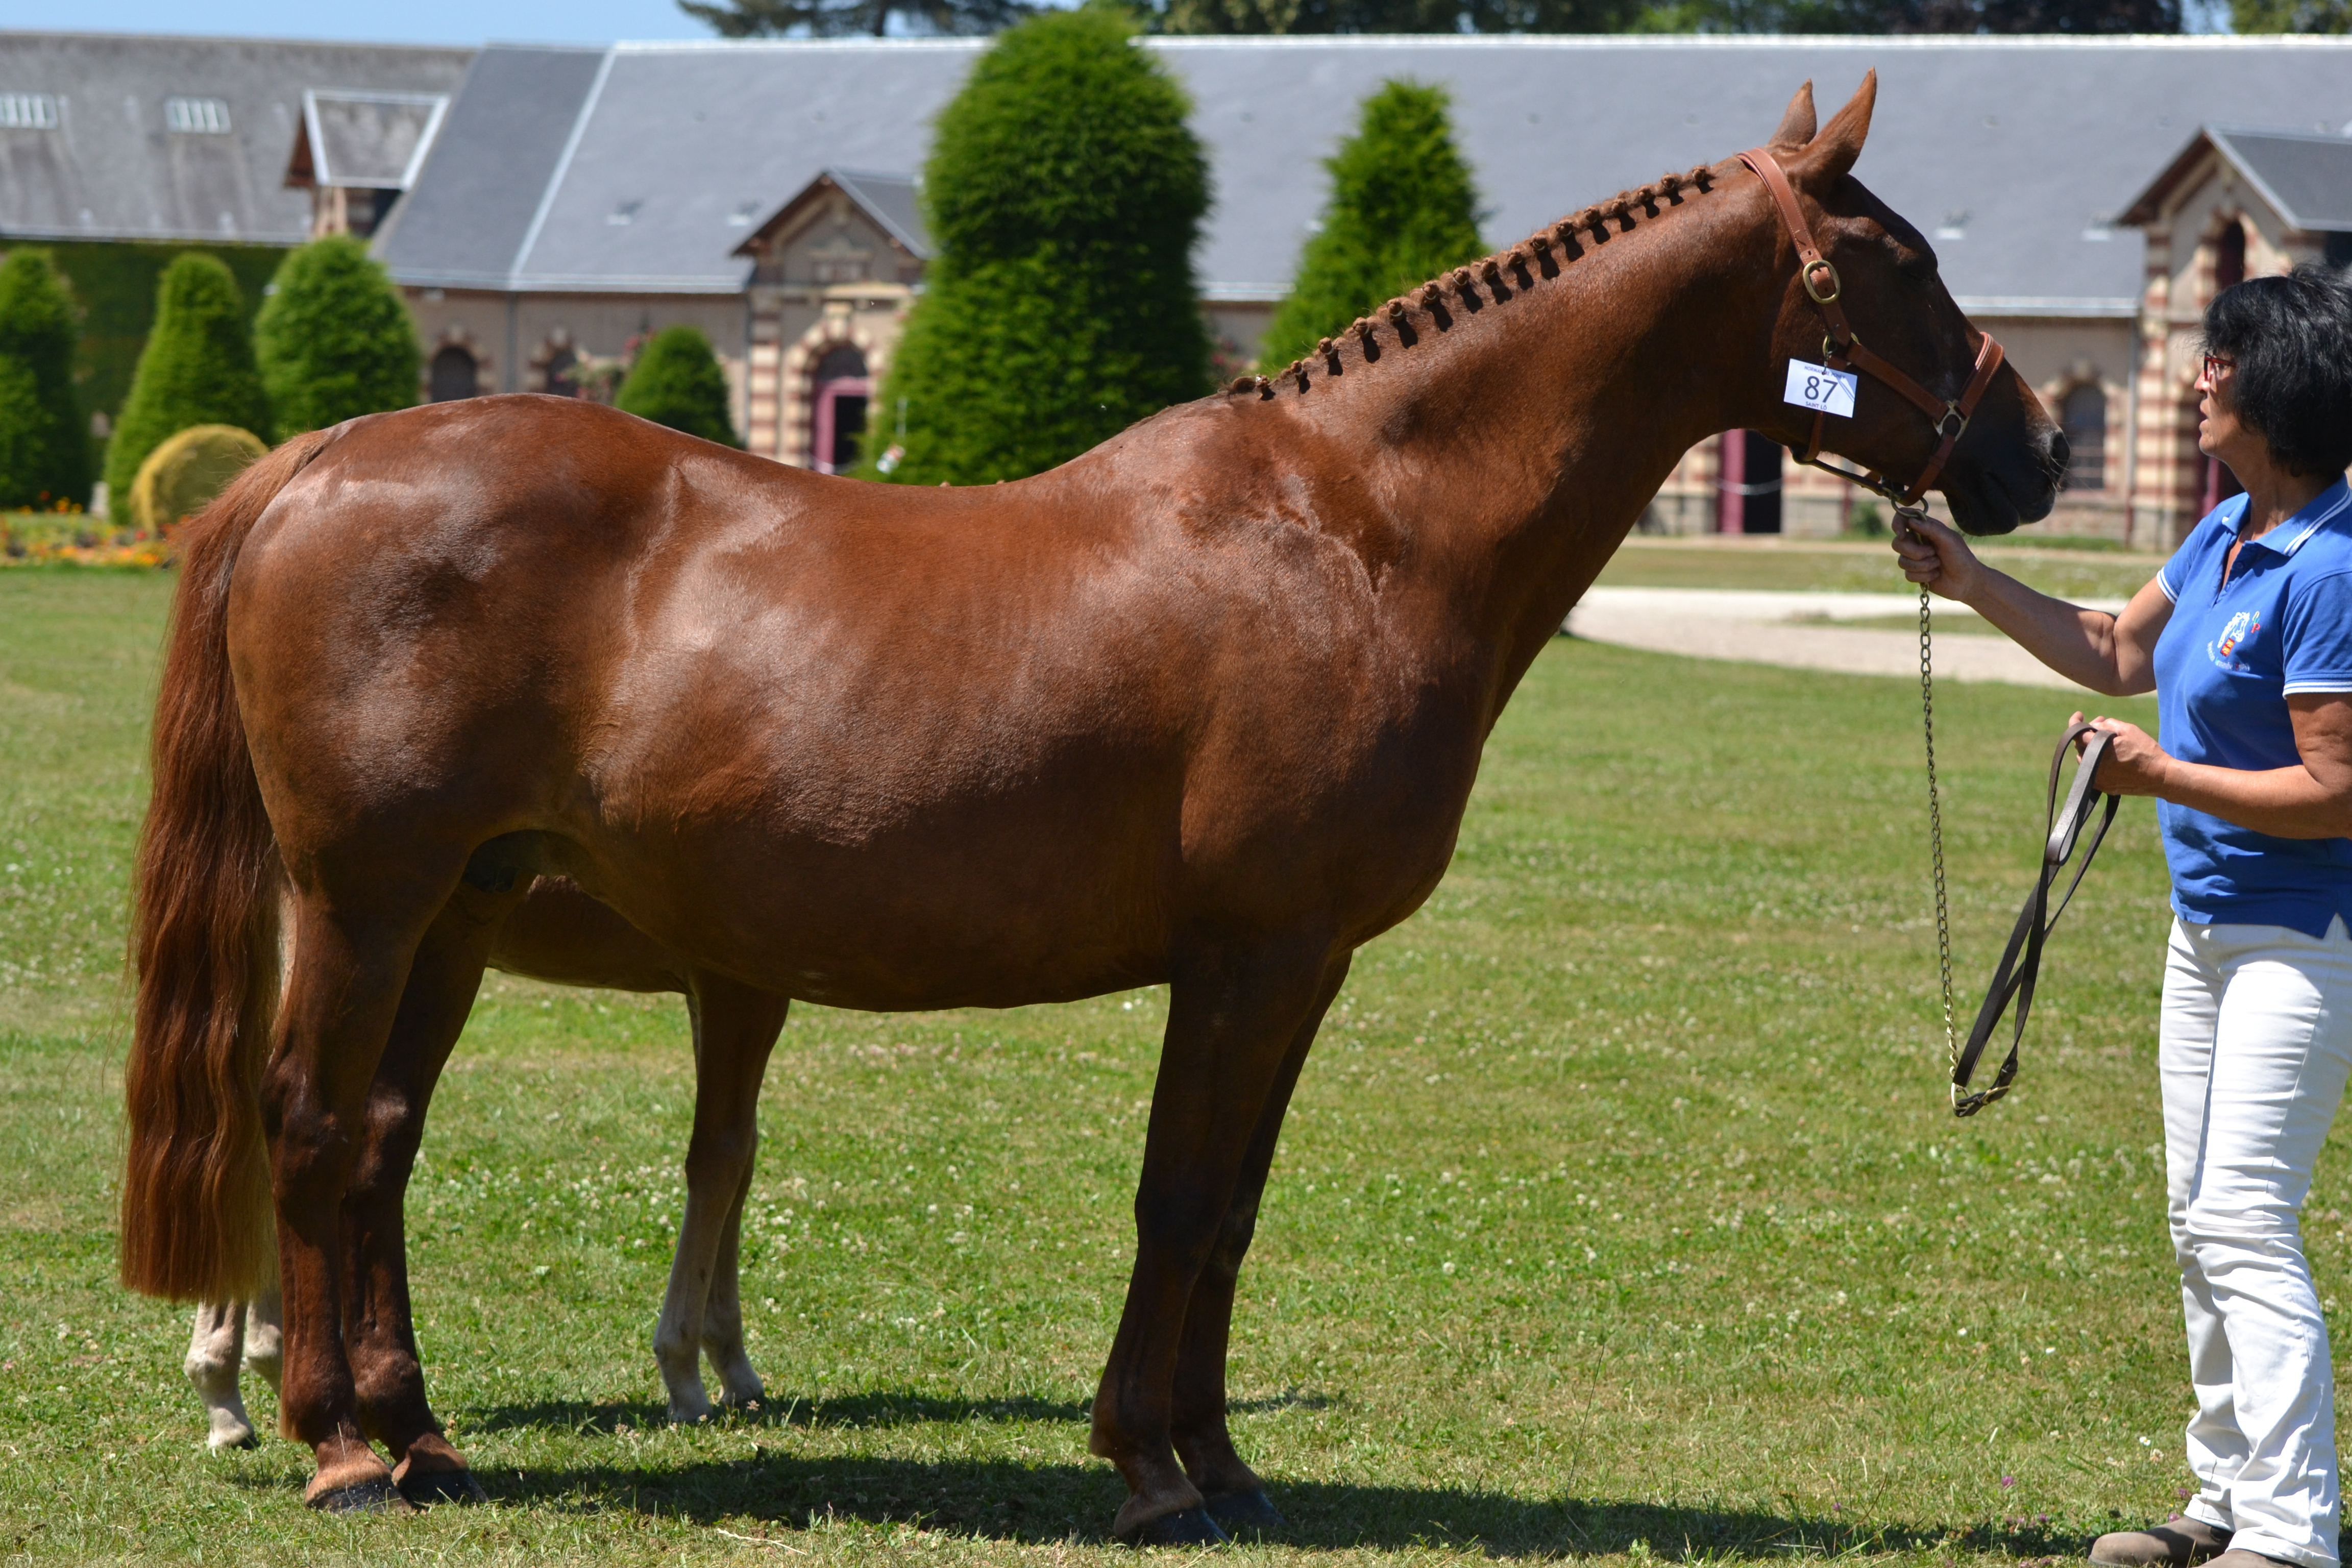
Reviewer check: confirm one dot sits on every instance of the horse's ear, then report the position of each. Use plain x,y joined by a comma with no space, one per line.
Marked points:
1833,154
1797,125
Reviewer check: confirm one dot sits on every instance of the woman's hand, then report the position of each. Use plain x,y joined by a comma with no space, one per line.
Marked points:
1934,555
2135,763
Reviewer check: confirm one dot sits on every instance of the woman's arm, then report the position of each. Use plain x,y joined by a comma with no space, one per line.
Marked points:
2111,653
2312,800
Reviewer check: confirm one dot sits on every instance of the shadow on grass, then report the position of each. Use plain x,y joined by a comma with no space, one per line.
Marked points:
888,1408
880,1408
1008,1501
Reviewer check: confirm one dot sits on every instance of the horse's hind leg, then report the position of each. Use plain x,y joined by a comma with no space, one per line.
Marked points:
1233,1020
264,1336
214,1350
350,964
1234,1497
735,1027
388,1377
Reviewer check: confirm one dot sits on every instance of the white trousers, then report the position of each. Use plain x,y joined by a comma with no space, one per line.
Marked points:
2255,1045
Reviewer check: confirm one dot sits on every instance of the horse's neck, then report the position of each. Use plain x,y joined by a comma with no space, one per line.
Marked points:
1526,439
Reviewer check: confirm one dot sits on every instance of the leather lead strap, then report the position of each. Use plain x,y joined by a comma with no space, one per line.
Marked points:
1842,349
2021,961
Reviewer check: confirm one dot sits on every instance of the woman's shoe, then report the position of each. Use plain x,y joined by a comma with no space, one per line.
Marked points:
2178,1542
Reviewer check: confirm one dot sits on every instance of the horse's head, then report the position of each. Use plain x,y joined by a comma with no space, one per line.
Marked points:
1882,290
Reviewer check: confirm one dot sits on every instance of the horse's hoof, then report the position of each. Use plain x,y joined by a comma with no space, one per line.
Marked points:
1185,1527
377,1495
425,1488
1245,1513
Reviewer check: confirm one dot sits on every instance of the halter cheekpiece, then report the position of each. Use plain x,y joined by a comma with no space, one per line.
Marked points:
1843,351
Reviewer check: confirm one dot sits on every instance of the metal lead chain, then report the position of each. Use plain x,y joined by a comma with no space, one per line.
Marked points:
1935,834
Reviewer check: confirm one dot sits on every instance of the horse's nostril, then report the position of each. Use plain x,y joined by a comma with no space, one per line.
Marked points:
2059,450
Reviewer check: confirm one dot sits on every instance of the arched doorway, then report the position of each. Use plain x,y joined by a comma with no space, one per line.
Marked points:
1749,490
2082,416
2229,271
841,390
454,374
563,373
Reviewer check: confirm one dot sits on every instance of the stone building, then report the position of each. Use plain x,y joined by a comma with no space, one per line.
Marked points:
575,200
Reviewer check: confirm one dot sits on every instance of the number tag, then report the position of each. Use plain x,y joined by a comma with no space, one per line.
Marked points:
1819,386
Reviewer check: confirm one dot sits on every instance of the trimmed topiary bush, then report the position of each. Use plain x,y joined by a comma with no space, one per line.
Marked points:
677,382
45,455
334,341
1064,193
1402,209
181,476
197,368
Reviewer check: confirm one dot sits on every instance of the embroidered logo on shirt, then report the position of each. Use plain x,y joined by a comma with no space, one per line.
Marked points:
2243,627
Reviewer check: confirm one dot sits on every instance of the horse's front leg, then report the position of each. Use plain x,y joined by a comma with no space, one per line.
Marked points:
378,1329
735,1028
1232,1018
1234,1497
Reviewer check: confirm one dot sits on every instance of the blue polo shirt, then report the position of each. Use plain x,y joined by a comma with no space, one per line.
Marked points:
2229,658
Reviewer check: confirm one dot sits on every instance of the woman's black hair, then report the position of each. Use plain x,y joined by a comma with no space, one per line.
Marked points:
2290,341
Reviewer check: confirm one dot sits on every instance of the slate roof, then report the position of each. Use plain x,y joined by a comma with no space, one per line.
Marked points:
167,138
2012,153
2306,176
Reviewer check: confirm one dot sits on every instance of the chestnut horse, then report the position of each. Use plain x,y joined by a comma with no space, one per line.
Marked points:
1202,706
557,933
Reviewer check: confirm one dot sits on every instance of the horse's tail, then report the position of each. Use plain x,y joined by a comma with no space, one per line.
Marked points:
196,1186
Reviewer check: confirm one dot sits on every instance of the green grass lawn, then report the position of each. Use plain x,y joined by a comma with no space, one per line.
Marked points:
1818,566
1620,1214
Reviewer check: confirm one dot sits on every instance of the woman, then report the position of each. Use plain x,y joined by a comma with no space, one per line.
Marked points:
2246,638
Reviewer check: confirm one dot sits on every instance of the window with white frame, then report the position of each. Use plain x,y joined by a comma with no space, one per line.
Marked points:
197,116
27,111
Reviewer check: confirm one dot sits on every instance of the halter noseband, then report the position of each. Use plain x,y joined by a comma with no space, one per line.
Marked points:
1842,350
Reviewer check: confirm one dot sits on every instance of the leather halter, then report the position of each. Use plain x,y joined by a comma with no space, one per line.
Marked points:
1842,350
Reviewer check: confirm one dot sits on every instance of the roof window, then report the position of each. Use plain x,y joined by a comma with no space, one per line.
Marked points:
27,111
197,116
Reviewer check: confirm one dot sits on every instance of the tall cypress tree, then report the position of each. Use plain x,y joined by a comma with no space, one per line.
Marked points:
677,382
1065,192
44,438
333,340
1402,209
197,368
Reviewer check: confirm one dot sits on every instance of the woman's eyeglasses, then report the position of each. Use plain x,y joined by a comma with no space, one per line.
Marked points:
2214,366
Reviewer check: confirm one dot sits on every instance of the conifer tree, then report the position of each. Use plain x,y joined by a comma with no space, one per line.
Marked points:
677,382
197,368
1064,193
333,340
44,437
1402,209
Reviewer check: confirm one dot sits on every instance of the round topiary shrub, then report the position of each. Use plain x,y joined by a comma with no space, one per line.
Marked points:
334,340
1065,192
181,476
677,382
44,451
197,368
1402,209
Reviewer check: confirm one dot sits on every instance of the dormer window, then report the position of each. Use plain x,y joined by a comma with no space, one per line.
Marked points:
197,116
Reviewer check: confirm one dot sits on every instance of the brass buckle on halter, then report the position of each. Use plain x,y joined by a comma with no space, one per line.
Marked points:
1805,275
1832,350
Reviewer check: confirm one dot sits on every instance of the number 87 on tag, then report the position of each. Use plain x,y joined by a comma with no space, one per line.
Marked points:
1817,386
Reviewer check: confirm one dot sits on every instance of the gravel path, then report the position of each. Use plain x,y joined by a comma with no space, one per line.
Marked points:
1798,631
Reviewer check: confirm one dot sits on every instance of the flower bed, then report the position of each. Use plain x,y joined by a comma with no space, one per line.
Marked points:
40,538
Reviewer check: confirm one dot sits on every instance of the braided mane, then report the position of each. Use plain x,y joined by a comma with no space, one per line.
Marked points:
1504,273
